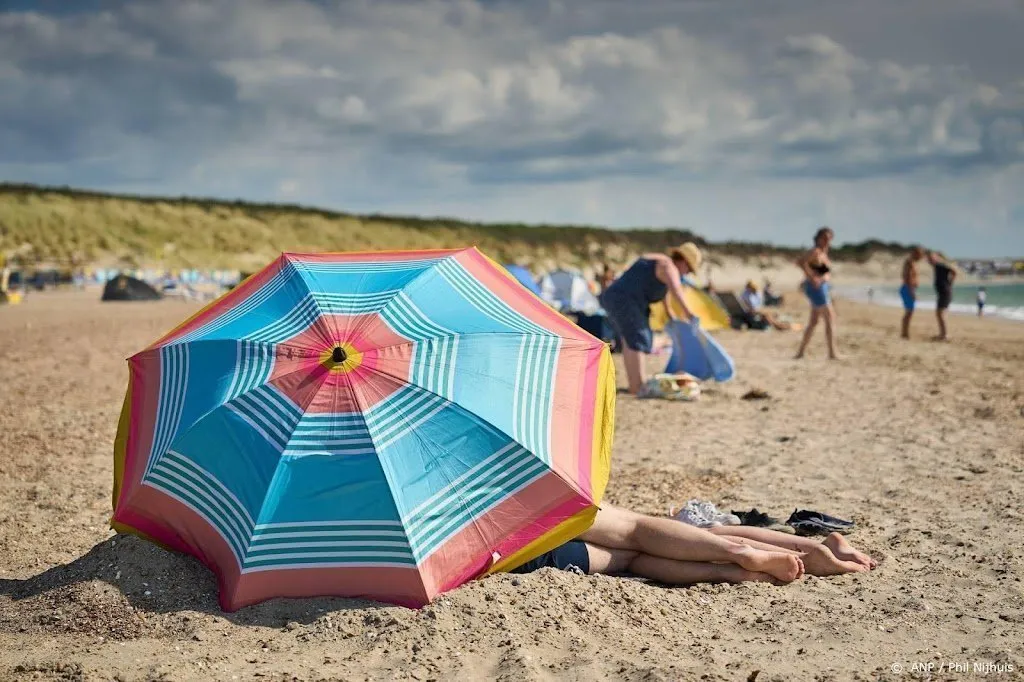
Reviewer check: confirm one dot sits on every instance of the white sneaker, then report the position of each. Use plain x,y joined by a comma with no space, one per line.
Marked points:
703,514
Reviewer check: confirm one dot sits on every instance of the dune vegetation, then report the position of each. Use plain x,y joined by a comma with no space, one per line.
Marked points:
63,226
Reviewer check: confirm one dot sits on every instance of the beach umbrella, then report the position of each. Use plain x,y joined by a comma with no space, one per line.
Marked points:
381,425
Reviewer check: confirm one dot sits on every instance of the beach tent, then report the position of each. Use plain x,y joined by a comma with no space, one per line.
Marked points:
525,277
125,288
569,292
712,316
695,352
377,425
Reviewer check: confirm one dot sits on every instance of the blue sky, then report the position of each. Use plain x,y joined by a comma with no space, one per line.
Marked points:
902,120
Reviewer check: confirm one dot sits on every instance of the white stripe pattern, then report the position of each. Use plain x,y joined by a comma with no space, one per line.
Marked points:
470,496
481,298
259,547
174,362
534,392
253,367
312,306
247,305
184,480
434,354
402,413
269,413
330,434
365,266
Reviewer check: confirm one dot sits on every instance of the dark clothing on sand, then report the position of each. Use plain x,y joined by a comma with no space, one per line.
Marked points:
572,553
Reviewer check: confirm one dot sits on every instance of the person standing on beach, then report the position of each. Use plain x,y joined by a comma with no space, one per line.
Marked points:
908,292
628,299
816,266
945,274
981,300
605,279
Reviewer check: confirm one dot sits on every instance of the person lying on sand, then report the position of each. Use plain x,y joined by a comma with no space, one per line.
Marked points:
675,553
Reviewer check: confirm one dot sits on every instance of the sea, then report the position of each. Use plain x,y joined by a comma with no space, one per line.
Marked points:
1005,299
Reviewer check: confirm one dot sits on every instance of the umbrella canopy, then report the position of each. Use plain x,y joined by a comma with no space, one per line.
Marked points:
383,425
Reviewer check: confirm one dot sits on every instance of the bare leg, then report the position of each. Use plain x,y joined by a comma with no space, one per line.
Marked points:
675,572
633,361
835,543
620,529
811,324
905,327
830,322
842,549
780,326
940,315
818,559
611,561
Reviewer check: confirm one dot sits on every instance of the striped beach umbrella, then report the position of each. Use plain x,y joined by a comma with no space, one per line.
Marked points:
381,425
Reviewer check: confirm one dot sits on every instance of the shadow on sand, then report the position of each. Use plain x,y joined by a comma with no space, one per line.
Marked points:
155,580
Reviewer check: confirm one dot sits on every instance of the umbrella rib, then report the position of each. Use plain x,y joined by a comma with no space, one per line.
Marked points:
426,271
244,393
476,524
362,409
567,342
561,474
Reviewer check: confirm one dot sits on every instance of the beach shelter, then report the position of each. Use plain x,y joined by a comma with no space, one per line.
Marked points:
125,288
525,277
379,425
569,292
697,353
712,316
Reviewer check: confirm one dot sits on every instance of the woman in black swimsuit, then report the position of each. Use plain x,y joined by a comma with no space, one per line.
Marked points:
817,267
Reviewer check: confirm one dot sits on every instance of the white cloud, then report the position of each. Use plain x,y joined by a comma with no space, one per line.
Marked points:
454,99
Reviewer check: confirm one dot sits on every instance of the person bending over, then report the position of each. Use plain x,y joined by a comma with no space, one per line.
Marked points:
908,292
675,553
627,302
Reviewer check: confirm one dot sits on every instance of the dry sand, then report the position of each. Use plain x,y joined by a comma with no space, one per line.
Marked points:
921,443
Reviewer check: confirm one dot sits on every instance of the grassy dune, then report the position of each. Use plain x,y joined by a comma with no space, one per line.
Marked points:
64,226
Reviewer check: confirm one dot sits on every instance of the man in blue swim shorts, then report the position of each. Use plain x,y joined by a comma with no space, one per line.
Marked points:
675,553
908,292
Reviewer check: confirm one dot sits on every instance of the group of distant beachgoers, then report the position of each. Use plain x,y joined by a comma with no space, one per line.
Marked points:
817,267
656,277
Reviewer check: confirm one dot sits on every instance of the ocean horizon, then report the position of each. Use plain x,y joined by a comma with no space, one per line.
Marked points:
1004,299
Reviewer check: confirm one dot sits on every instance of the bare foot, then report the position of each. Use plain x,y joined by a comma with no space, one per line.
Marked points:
835,357
735,574
798,356
844,551
785,567
822,562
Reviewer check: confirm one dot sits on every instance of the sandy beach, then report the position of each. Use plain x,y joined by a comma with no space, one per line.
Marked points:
922,444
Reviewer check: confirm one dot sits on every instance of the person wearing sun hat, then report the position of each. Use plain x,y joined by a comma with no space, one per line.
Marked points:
628,299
